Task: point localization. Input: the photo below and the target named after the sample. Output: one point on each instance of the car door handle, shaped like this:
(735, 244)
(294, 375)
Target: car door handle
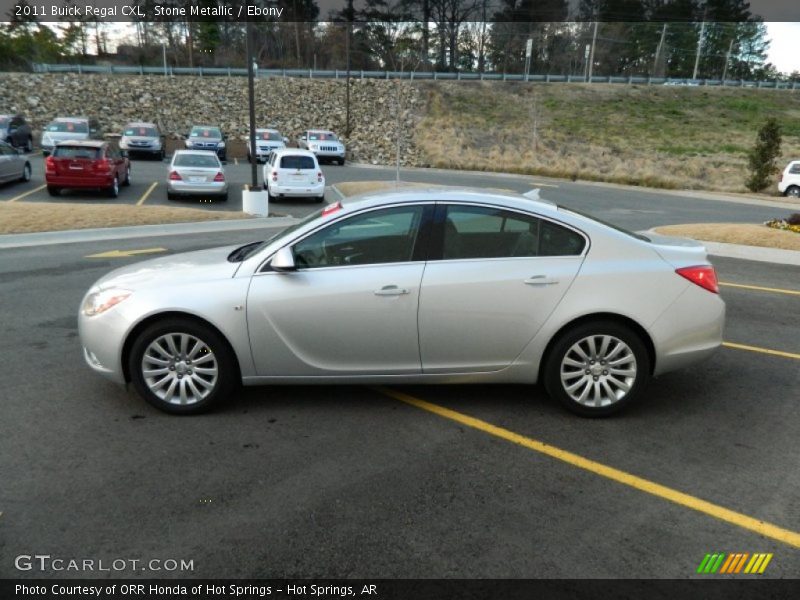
(391, 290)
(540, 280)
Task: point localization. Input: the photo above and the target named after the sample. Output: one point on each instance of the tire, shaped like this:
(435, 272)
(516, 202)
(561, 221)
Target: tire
(319, 198)
(793, 191)
(570, 362)
(113, 191)
(26, 172)
(270, 197)
(341, 162)
(165, 384)
(53, 190)
(127, 181)
(29, 146)
(224, 197)
(170, 196)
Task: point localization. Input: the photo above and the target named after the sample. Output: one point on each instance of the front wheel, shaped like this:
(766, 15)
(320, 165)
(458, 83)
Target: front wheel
(597, 368)
(793, 191)
(182, 366)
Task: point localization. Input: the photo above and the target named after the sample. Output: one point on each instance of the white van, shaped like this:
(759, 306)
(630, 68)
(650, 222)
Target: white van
(294, 173)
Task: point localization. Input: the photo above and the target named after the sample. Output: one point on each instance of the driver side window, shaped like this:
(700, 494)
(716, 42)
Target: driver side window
(375, 237)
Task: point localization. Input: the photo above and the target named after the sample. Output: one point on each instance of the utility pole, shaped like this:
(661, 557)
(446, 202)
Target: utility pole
(591, 54)
(397, 111)
(252, 103)
(528, 52)
(347, 79)
(658, 50)
(164, 52)
(700, 44)
(727, 60)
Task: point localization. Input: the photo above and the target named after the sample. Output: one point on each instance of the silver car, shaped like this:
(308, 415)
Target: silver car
(14, 166)
(412, 287)
(196, 173)
(143, 138)
(69, 129)
(324, 144)
(267, 141)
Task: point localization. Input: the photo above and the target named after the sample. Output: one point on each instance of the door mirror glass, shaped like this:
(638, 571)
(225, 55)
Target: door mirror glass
(283, 260)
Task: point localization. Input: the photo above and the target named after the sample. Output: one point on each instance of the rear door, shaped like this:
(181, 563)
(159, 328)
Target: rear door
(494, 278)
(6, 162)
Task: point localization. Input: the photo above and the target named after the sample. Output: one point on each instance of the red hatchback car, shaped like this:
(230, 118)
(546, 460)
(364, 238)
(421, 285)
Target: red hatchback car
(86, 164)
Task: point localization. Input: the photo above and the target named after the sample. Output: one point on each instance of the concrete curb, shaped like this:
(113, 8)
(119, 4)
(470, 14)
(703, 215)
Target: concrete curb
(45, 238)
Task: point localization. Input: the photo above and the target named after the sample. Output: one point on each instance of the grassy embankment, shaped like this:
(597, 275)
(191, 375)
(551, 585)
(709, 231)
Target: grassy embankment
(657, 136)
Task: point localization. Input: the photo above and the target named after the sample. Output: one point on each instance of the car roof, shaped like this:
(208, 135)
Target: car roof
(140, 124)
(206, 127)
(208, 152)
(448, 194)
(86, 143)
(69, 119)
(266, 129)
(298, 151)
(320, 131)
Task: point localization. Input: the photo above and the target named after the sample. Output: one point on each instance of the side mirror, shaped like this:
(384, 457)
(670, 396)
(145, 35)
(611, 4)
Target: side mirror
(283, 260)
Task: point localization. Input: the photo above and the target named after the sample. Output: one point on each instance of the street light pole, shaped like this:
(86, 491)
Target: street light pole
(252, 102)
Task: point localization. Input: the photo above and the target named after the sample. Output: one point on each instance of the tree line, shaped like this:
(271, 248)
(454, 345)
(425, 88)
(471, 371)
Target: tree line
(660, 38)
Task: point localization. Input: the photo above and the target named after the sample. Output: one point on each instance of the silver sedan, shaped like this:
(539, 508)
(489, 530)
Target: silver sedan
(196, 173)
(413, 287)
(14, 165)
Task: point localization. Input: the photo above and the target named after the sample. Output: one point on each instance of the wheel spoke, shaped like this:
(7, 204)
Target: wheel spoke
(571, 362)
(154, 372)
(172, 347)
(182, 386)
(154, 360)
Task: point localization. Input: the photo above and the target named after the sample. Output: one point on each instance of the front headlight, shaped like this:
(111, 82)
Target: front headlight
(101, 300)
(188, 143)
(221, 145)
(314, 147)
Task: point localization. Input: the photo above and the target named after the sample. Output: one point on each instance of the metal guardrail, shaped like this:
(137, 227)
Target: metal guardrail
(409, 75)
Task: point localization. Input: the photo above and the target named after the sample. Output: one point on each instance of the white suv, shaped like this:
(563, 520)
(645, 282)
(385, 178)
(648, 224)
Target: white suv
(789, 185)
(293, 173)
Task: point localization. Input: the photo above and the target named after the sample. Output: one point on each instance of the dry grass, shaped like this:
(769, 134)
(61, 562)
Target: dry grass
(735, 233)
(30, 217)
(688, 138)
(352, 188)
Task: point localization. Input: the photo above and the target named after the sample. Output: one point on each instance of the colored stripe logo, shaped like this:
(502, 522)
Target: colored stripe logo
(735, 563)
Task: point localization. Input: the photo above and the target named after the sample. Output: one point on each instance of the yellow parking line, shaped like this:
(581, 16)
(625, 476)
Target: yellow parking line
(760, 288)
(28, 193)
(763, 528)
(762, 350)
(146, 195)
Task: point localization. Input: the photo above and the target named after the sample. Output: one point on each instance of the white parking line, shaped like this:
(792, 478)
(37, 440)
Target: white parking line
(28, 193)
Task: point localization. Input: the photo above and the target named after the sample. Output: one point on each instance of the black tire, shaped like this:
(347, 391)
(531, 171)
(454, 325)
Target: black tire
(595, 374)
(127, 181)
(227, 377)
(170, 196)
(113, 190)
(270, 197)
(319, 198)
(793, 191)
(29, 145)
(53, 190)
(341, 162)
(26, 172)
(224, 197)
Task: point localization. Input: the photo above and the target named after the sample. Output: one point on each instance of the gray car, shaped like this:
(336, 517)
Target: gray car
(14, 166)
(196, 173)
(325, 144)
(69, 129)
(440, 286)
(143, 138)
(267, 141)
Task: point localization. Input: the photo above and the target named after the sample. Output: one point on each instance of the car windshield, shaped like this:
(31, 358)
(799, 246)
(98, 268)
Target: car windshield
(205, 132)
(208, 161)
(322, 136)
(242, 252)
(297, 162)
(638, 236)
(76, 152)
(142, 131)
(272, 136)
(68, 127)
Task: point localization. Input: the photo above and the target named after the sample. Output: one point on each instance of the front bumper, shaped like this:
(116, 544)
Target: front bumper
(102, 337)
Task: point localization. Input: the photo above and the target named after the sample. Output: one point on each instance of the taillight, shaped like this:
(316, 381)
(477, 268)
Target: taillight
(274, 176)
(50, 165)
(703, 275)
(219, 176)
(319, 177)
(103, 164)
(175, 176)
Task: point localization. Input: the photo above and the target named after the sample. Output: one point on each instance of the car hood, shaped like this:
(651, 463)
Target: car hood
(139, 138)
(201, 265)
(61, 136)
(204, 140)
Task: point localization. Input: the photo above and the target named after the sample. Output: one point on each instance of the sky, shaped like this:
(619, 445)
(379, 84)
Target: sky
(784, 51)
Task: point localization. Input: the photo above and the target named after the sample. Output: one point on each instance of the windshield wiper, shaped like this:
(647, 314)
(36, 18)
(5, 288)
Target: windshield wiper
(243, 252)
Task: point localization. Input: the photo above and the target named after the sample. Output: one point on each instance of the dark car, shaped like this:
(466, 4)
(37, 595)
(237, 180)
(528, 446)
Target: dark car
(207, 137)
(87, 164)
(15, 130)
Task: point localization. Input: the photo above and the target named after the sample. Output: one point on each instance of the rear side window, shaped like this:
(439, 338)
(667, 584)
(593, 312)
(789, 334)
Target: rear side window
(297, 162)
(795, 169)
(555, 240)
(196, 160)
(77, 152)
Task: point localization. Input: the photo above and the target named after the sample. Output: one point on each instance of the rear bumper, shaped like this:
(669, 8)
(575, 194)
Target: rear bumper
(89, 182)
(297, 191)
(197, 189)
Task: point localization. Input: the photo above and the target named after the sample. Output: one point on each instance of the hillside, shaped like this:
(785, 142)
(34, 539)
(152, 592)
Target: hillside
(661, 136)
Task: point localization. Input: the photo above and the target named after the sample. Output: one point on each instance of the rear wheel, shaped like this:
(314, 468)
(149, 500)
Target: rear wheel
(113, 191)
(127, 177)
(26, 172)
(29, 145)
(170, 196)
(319, 198)
(53, 190)
(597, 368)
(181, 366)
(793, 191)
(224, 197)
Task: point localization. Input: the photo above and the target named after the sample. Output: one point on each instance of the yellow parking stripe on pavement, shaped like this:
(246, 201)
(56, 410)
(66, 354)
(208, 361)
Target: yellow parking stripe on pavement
(762, 350)
(760, 288)
(28, 193)
(146, 195)
(758, 526)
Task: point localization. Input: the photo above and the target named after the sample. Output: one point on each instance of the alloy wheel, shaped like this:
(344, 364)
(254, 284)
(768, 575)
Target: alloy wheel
(598, 370)
(180, 368)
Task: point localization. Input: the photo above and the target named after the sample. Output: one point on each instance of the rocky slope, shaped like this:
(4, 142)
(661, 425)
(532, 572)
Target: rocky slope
(290, 105)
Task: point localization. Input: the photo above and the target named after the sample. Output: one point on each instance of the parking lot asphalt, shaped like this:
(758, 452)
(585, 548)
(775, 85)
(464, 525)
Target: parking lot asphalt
(628, 207)
(355, 482)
